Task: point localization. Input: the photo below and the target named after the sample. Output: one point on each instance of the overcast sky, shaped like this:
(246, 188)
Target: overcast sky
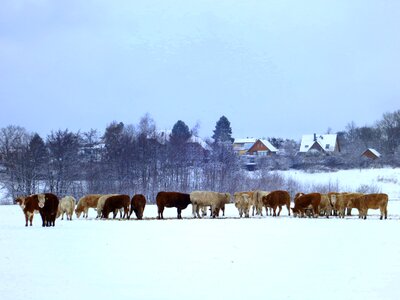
(278, 68)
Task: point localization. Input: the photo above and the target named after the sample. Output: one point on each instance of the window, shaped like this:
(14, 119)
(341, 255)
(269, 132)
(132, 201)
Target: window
(306, 146)
(327, 146)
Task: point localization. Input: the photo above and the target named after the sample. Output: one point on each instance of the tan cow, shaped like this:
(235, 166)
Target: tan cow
(257, 202)
(370, 201)
(243, 202)
(66, 206)
(85, 202)
(206, 198)
(341, 201)
(325, 206)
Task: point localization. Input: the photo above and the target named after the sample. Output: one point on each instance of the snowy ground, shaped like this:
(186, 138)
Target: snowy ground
(386, 180)
(228, 258)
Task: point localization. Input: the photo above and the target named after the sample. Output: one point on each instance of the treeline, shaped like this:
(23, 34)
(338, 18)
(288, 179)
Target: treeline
(139, 159)
(125, 159)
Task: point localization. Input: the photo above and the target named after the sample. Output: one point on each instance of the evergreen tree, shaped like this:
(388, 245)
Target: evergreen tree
(223, 131)
(180, 133)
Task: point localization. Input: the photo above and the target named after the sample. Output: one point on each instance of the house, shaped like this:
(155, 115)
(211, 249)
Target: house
(262, 148)
(324, 143)
(371, 153)
(241, 146)
(250, 149)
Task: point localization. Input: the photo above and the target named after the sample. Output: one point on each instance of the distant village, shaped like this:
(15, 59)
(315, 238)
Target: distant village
(250, 149)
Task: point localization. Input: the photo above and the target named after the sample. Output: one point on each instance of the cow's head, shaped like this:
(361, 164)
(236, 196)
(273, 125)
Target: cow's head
(139, 213)
(78, 212)
(228, 197)
(332, 199)
(295, 212)
(350, 203)
(42, 200)
(20, 201)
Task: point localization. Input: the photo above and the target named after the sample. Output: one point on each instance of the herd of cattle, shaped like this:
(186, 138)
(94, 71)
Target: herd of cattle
(312, 205)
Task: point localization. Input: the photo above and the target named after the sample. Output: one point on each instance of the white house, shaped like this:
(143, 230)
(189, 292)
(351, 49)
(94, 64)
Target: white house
(319, 142)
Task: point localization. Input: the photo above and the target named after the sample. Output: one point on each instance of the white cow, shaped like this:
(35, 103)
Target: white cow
(66, 206)
(215, 200)
(258, 203)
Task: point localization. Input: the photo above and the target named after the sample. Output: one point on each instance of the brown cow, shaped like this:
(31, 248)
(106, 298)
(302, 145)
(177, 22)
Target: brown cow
(49, 211)
(370, 201)
(275, 199)
(172, 199)
(116, 202)
(302, 202)
(85, 202)
(30, 205)
(46, 204)
(138, 204)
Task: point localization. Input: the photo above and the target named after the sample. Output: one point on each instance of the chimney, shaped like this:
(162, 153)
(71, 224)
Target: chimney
(315, 137)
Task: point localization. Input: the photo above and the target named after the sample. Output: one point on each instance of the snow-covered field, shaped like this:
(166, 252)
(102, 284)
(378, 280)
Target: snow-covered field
(385, 180)
(227, 258)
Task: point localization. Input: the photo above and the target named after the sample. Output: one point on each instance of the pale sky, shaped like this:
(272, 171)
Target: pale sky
(278, 68)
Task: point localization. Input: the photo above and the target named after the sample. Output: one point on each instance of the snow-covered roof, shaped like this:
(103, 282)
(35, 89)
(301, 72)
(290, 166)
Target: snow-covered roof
(269, 146)
(245, 141)
(373, 151)
(326, 141)
(243, 144)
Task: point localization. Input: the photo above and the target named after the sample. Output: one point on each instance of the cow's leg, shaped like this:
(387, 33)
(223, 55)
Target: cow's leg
(26, 220)
(316, 211)
(43, 219)
(288, 208)
(197, 211)
(279, 211)
(126, 213)
(179, 213)
(160, 212)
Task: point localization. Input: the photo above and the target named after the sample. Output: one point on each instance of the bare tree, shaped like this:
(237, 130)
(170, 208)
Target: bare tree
(14, 145)
(63, 167)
